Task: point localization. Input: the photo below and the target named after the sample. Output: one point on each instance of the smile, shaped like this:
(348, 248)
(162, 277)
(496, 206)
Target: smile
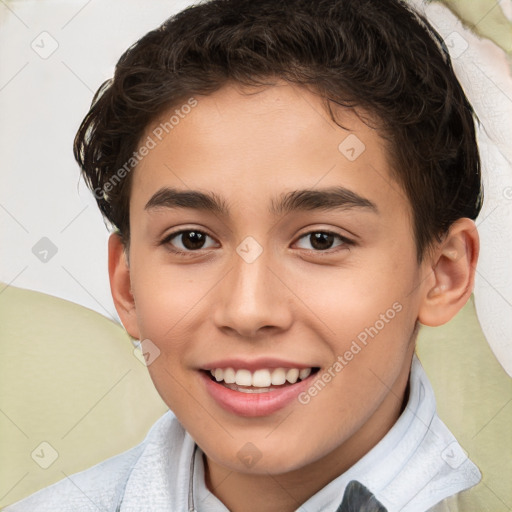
(242, 379)
(257, 393)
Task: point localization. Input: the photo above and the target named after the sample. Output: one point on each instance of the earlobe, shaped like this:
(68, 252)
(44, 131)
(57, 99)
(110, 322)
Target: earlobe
(453, 267)
(120, 285)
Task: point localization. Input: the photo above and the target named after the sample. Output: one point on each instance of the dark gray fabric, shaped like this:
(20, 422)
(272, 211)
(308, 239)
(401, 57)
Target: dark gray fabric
(358, 498)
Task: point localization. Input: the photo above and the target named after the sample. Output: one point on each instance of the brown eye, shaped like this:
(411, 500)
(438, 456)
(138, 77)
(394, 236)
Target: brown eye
(193, 239)
(187, 240)
(323, 240)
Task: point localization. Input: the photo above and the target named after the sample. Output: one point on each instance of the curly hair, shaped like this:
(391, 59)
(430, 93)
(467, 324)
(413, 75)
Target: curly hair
(380, 56)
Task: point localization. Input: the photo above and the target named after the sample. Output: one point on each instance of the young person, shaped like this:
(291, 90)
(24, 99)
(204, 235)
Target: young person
(293, 187)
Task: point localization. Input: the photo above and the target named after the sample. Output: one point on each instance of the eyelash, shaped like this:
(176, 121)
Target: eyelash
(346, 243)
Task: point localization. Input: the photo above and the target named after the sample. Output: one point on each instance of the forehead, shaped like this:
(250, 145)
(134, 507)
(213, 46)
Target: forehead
(245, 142)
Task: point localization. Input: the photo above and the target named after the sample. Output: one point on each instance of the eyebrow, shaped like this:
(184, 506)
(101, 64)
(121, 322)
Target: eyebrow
(326, 199)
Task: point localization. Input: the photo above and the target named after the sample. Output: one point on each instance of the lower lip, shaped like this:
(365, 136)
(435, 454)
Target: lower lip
(253, 404)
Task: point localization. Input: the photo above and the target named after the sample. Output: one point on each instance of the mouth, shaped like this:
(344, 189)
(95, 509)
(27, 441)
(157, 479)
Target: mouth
(263, 380)
(257, 393)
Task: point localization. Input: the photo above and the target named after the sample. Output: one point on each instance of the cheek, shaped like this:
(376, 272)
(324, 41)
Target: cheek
(166, 300)
(348, 300)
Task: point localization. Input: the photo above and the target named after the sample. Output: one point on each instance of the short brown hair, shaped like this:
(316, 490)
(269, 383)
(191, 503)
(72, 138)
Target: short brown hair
(379, 55)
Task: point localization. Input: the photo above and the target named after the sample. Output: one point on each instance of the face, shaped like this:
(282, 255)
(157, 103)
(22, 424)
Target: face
(267, 239)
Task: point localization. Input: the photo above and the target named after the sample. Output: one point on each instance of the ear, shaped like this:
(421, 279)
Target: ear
(120, 285)
(453, 267)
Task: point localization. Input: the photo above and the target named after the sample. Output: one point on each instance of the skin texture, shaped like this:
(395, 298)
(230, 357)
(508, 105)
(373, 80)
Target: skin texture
(294, 301)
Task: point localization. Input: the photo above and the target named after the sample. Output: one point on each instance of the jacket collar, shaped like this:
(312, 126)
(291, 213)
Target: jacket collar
(416, 465)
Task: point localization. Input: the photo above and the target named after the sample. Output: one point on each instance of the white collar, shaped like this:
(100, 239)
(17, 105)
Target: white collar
(416, 465)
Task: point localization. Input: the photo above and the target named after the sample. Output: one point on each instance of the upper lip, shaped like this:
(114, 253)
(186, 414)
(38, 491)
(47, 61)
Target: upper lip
(255, 364)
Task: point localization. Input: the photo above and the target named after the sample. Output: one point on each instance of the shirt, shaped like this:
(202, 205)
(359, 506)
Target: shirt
(415, 466)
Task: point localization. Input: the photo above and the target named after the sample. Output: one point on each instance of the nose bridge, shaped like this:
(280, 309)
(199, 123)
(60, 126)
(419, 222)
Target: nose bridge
(251, 297)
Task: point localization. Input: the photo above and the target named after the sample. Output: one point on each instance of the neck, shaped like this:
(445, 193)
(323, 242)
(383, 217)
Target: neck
(285, 492)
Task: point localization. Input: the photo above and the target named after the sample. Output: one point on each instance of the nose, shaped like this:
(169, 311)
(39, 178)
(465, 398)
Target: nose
(252, 299)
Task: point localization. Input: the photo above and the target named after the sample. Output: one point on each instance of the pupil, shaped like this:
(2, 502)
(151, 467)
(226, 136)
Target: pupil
(322, 240)
(192, 240)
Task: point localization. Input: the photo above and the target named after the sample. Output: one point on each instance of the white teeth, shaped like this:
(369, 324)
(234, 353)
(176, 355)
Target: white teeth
(262, 378)
(292, 375)
(234, 387)
(243, 378)
(304, 373)
(278, 376)
(229, 376)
